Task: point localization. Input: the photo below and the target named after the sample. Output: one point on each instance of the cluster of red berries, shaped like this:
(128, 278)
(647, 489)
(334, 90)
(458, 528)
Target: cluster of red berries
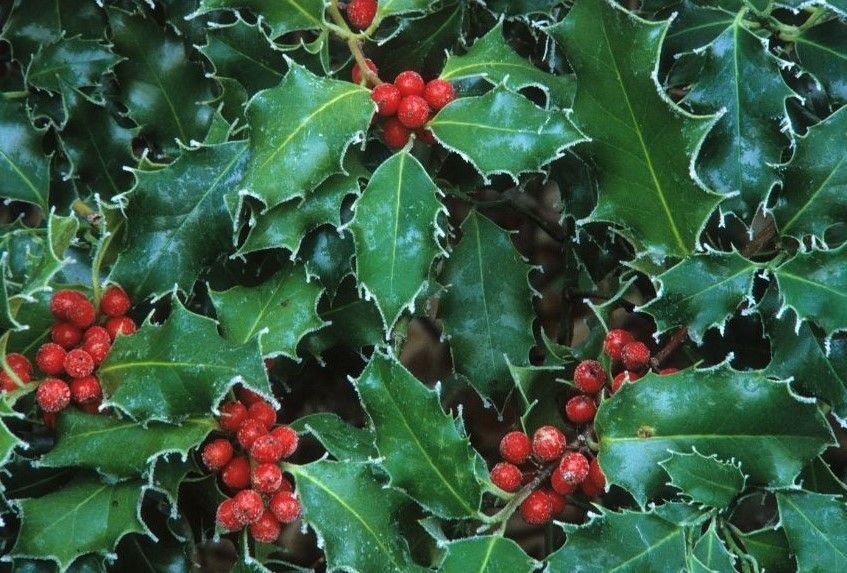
(263, 497)
(360, 13)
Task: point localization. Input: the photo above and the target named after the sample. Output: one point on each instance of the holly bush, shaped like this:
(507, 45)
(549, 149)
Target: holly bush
(422, 285)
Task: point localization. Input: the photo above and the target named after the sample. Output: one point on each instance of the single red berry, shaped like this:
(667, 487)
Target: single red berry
(78, 363)
(438, 93)
(387, 98)
(115, 302)
(410, 83)
(515, 447)
(63, 301)
(236, 474)
(285, 507)
(248, 506)
(217, 454)
(596, 475)
(580, 409)
(262, 412)
(232, 416)
(86, 390)
(287, 438)
(506, 476)
(247, 396)
(614, 342)
(285, 485)
(20, 365)
(249, 432)
(7, 383)
(425, 136)
(666, 371)
(96, 333)
(589, 376)
(537, 508)
(361, 13)
(53, 395)
(560, 486)
(65, 335)
(266, 529)
(590, 488)
(413, 111)
(266, 449)
(573, 468)
(50, 359)
(226, 516)
(82, 314)
(97, 349)
(548, 443)
(635, 356)
(356, 72)
(558, 502)
(123, 325)
(395, 134)
(266, 478)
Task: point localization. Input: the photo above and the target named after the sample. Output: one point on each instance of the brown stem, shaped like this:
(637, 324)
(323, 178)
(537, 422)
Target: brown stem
(353, 43)
(762, 238)
(675, 342)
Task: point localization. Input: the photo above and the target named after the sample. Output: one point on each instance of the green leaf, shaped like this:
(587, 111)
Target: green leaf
(522, 7)
(171, 237)
(392, 7)
(710, 553)
(8, 442)
(502, 132)
(278, 312)
(356, 518)
(354, 322)
(639, 139)
(486, 554)
(120, 448)
(701, 291)
(34, 23)
(282, 16)
(423, 452)
(74, 62)
(396, 233)
(84, 516)
(539, 389)
(813, 197)
(705, 480)
(814, 285)
(491, 58)
(328, 255)
(487, 309)
(179, 369)
(814, 525)
(341, 440)
(769, 547)
(695, 26)
(822, 51)
(167, 474)
(817, 476)
(23, 167)
(164, 91)
(300, 132)
(733, 415)
(625, 542)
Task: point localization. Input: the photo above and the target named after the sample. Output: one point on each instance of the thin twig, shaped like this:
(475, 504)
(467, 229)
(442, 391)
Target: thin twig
(675, 342)
(342, 29)
(762, 238)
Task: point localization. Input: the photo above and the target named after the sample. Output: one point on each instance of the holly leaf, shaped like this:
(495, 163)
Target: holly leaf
(822, 51)
(282, 16)
(722, 412)
(502, 132)
(120, 448)
(813, 523)
(341, 440)
(171, 237)
(38, 22)
(701, 291)
(353, 322)
(640, 539)
(710, 554)
(24, 169)
(300, 131)
(818, 477)
(704, 479)
(278, 312)
(393, 7)
(521, 7)
(396, 233)
(423, 451)
(814, 285)
(769, 547)
(812, 197)
(84, 516)
(539, 389)
(486, 554)
(356, 518)
(328, 255)
(74, 61)
(695, 26)
(491, 58)
(487, 309)
(179, 369)
(639, 139)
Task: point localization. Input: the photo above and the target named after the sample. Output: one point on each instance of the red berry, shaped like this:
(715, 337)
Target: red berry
(248, 506)
(387, 98)
(506, 476)
(548, 443)
(413, 111)
(287, 438)
(82, 314)
(263, 412)
(249, 432)
(96, 333)
(63, 301)
(395, 134)
(7, 383)
(589, 376)
(20, 365)
(247, 396)
(361, 13)
(53, 395)
(409, 83)
(285, 506)
(65, 335)
(515, 447)
(120, 325)
(625, 376)
(635, 356)
(537, 508)
(266, 478)
(560, 486)
(596, 475)
(232, 416)
(425, 136)
(226, 516)
(50, 359)
(356, 72)
(558, 502)
(590, 489)
(266, 529)
(666, 371)
(236, 474)
(97, 349)
(573, 468)
(78, 363)
(266, 449)
(115, 302)
(85, 390)
(615, 340)
(217, 454)
(439, 93)
(580, 409)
